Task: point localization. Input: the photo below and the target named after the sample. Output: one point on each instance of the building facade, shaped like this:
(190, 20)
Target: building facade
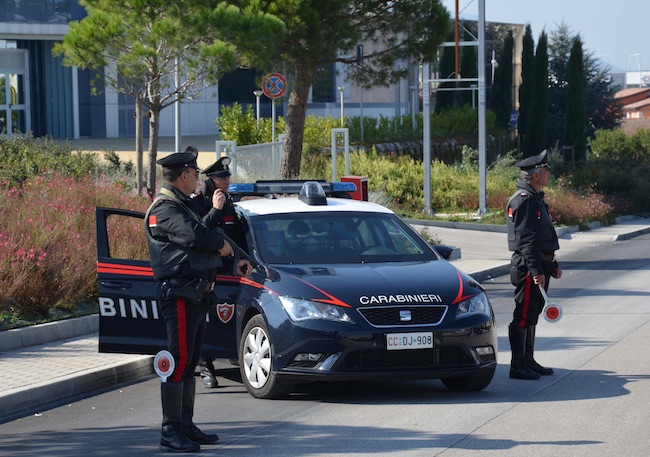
(39, 95)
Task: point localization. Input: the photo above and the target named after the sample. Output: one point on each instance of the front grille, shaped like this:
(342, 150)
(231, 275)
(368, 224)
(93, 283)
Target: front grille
(389, 316)
(409, 359)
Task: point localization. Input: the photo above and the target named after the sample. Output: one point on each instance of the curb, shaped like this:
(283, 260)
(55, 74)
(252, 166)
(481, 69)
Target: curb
(628, 236)
(489, 273)
(483, 227)
(31, 398)
(33, 335)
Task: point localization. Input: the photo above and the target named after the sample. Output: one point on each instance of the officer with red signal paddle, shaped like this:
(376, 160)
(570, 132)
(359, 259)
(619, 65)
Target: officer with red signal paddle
(533, 240)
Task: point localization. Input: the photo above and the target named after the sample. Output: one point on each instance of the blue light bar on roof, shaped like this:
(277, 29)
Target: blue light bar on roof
(344, 187)
(241, 188)
(262, 188)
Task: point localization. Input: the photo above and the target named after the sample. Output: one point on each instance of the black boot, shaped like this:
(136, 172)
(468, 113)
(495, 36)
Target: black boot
(188, 427)
(530, 349)
(518, 368)
(206, 370)
(172, 437)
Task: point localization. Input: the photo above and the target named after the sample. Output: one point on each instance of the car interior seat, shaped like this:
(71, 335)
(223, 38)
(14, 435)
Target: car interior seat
(297, 231)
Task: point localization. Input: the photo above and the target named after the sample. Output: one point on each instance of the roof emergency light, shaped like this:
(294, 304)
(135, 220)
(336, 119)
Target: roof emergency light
(312, 193)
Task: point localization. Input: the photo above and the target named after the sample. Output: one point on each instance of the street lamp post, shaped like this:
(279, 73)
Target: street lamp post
(258, 94)
(341, 89)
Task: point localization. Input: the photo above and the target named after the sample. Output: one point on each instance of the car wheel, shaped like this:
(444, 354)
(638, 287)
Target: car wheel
(469, 383)
(256, 361)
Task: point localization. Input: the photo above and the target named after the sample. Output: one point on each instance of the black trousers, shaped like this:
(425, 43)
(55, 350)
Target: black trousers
(529, 302)
(185, 323)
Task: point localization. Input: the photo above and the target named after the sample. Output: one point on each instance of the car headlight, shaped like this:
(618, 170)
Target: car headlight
(478, 304)
(300, 310)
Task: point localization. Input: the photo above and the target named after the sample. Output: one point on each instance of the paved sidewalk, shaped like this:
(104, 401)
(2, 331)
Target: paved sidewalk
(65, 362)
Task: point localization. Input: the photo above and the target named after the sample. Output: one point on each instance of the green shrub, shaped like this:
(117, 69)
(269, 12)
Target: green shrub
(238, 125)
(616, 145)
(24, 156)
(460, 121)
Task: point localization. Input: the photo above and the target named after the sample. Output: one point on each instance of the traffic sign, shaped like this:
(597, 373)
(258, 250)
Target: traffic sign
(274, 85)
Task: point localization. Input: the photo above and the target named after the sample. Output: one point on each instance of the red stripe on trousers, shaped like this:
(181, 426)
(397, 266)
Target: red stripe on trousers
(181, 321)
(525, 308)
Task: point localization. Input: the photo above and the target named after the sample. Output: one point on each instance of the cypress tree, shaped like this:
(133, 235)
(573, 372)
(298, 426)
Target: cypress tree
(501, 92)
(445, 98)
(468, 69)
(526, 89)
(537, 120)
(574, 130)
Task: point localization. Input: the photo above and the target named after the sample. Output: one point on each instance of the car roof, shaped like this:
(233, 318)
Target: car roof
(282, 205)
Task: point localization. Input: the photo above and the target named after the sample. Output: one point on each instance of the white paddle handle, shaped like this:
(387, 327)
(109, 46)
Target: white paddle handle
(541, 289)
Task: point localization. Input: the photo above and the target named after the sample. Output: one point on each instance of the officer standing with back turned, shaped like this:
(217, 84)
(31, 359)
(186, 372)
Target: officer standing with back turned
(533, 240)
(185, 256)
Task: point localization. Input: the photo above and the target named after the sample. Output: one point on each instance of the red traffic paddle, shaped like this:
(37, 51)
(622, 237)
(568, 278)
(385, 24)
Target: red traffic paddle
(163, 364)
(552, 312)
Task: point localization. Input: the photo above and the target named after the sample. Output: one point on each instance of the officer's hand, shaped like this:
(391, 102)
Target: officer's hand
(226, 250)
(244, 268)
(218, 199)
(557, 273)
(539, 279)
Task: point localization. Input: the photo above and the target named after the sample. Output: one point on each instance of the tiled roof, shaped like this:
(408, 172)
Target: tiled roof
(632, 125)
(636, 105)
(630, 92)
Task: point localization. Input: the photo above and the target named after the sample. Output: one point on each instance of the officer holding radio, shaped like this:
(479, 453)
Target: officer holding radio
(213, 198)
(186, 254)
(533, 240)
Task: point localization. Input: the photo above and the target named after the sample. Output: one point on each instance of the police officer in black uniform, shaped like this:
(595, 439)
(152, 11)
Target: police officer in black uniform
(213, 197)
(185, 256)
(533, 240)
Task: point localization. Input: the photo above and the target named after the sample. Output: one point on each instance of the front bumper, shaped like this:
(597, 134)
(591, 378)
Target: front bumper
(469, 351)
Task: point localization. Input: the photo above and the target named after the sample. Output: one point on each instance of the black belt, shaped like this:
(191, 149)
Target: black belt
(192, 289)
(545, 256)
(548, 257)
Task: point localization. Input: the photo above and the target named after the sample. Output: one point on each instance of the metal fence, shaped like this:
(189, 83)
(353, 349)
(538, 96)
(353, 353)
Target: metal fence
(252, 162)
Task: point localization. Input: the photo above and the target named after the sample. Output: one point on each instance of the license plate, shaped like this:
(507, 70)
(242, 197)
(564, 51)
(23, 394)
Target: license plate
(400, 341)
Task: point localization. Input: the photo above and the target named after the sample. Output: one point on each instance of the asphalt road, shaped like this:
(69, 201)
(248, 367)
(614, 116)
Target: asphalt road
(595, 405)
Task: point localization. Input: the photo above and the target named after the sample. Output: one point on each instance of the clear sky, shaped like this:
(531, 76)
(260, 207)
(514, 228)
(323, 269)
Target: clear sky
(614, 31)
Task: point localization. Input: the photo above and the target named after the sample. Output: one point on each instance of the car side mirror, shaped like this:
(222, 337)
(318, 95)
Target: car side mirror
(447, 252)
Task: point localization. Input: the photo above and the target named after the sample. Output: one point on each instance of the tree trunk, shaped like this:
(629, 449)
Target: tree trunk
(139, 173)
(154, 127)
(295, 123)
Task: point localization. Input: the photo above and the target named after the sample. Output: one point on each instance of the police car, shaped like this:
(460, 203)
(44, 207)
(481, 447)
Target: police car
(344, 290)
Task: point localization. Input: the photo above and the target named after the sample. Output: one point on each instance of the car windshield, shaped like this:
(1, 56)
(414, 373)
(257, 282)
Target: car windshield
(337, 238)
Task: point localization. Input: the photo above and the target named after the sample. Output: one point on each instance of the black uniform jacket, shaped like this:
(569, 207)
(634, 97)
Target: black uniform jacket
(225, 218)
(181, 243)
(530, 229)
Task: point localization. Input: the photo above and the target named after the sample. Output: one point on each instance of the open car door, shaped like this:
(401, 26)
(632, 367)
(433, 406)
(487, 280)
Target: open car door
(130, 319)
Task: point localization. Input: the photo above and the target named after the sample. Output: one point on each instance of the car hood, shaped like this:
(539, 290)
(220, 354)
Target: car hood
(393, 283)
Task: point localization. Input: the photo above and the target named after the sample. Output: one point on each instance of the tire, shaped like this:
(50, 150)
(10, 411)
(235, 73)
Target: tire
(469, 383)
(256, 361)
